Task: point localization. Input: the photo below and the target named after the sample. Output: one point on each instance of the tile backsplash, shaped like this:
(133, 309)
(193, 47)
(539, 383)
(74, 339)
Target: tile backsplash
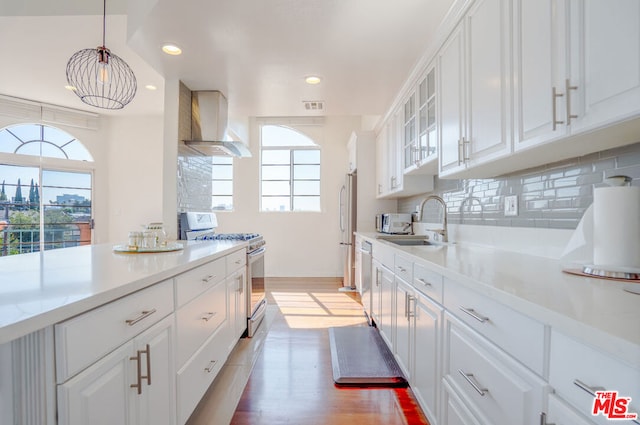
(552, 196)
(194, 171)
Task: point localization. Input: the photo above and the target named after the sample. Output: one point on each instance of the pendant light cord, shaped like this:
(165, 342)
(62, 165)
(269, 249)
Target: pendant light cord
(104, 22)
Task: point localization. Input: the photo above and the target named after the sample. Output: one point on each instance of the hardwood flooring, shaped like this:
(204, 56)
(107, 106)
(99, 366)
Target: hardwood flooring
(291, 380)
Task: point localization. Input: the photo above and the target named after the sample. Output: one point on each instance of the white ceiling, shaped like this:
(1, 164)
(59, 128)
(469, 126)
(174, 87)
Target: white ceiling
(257, 52)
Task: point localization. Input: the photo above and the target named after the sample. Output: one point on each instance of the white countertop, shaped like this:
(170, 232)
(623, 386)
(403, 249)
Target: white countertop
(596, 311)
(40, 289)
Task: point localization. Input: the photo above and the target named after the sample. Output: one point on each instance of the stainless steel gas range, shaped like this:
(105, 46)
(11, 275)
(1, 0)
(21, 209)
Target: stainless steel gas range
(202, 226)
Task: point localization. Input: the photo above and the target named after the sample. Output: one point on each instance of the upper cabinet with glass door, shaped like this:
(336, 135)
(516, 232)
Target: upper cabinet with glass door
(420, 136)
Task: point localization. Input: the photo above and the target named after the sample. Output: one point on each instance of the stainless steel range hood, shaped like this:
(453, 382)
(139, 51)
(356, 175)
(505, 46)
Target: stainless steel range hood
(209, 134)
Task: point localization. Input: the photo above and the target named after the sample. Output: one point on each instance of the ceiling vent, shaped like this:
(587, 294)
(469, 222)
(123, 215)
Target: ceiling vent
(313, 105)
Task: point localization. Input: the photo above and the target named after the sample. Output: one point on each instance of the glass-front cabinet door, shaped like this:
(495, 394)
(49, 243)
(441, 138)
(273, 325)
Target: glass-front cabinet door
(409, 135)
(427, 141)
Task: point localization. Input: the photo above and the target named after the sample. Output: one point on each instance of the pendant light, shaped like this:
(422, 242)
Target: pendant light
(100, 78)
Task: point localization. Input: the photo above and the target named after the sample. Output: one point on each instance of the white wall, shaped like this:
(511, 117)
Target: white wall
(135, 172)
(298, 244)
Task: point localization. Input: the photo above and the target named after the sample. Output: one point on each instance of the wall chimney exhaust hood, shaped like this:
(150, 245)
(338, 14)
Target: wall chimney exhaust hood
(209, 135)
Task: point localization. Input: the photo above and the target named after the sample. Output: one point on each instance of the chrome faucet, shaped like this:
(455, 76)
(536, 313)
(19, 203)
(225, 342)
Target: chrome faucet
(443, 231)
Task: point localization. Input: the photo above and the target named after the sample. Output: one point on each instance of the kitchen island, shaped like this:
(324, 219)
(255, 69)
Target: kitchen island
(507, 328)
(73, 318)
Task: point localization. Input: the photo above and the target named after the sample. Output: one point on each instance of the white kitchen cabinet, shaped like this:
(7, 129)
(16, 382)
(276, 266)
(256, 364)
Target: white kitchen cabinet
(376, 287)
(494, 386)
(409, 133)
(387, 301)
(604, 62)
(454, 412)
(404, 308)
(475, 88)
(135, 384)
(578, 67)
(391, 180)
(426, 338)
(560, 413)
(237, 305)
(426, 153)
(577, 370)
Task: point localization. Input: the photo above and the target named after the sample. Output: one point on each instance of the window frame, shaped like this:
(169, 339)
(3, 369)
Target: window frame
(291, 165)
(213, 180)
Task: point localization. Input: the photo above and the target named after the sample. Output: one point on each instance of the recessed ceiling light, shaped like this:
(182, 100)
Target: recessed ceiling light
(150, 87)
(72, 88)
(312, 79)
(171, 49)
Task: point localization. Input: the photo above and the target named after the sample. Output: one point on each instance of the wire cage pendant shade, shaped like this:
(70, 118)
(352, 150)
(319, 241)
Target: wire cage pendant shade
(101, 78)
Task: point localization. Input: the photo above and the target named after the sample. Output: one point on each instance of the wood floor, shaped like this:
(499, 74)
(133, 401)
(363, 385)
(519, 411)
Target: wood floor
(291, 381)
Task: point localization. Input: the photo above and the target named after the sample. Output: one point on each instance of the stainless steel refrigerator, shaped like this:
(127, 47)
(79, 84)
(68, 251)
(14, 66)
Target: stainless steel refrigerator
(348, 197)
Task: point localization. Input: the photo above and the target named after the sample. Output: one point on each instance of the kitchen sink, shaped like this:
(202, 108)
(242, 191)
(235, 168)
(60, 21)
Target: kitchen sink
(409, 242)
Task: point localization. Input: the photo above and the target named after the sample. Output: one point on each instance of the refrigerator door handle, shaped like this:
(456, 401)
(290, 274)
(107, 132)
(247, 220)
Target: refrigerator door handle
(341, 207)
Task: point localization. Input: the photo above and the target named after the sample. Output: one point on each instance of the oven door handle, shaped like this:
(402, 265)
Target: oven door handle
(256, 253)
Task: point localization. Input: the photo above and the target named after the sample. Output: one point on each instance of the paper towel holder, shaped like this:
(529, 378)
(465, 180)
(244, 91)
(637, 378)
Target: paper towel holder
(620, 273)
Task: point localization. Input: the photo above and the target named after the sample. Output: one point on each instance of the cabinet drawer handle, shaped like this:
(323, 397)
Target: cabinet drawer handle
(590, 390)
(210, 366)
(143, 315)
(471, 312)
(568, 88)
(238, 261)
(424, 282)
(402, 269)
(208, 316)
(472, 381)
(209, 278)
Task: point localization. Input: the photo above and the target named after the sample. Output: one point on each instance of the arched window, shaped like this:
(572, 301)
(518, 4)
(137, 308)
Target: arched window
(42, 140)
(290, 170)
(43, 207)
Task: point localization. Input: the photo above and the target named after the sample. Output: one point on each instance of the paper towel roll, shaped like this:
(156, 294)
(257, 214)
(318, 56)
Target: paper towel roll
(616, 226)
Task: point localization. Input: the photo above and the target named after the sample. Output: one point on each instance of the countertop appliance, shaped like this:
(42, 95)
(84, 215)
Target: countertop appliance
(347, 227)
(396, 223)
(202, 226)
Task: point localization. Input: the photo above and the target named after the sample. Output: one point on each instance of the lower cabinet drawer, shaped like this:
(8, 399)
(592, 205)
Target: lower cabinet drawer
(517, 334)
(499, 388)
(197, 375)
(559, 413)
(200, 318)
(84, 339)
(577, 370)
(194, 282)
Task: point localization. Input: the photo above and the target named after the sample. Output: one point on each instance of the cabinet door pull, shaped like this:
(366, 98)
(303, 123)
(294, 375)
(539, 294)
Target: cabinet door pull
(138, 383)
(472, 381)
(240, 285)
(143, 315)
(210, 366)
(471, 312)
(208, 316)
(411, 311)
(208, 279)
(147, 351)
(460, 151)
(554, 108)
(590, 390)
(543, 419)
(466, 146)
(424, 282)
(568, 88)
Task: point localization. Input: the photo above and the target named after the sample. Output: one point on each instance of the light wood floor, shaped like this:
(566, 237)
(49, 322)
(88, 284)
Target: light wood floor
(291, 379)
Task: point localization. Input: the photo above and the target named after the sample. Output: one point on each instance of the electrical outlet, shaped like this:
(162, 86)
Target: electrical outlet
(511, 205)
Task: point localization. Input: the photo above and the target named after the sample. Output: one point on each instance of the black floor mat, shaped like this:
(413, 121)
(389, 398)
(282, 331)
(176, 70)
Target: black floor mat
(360, 357)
